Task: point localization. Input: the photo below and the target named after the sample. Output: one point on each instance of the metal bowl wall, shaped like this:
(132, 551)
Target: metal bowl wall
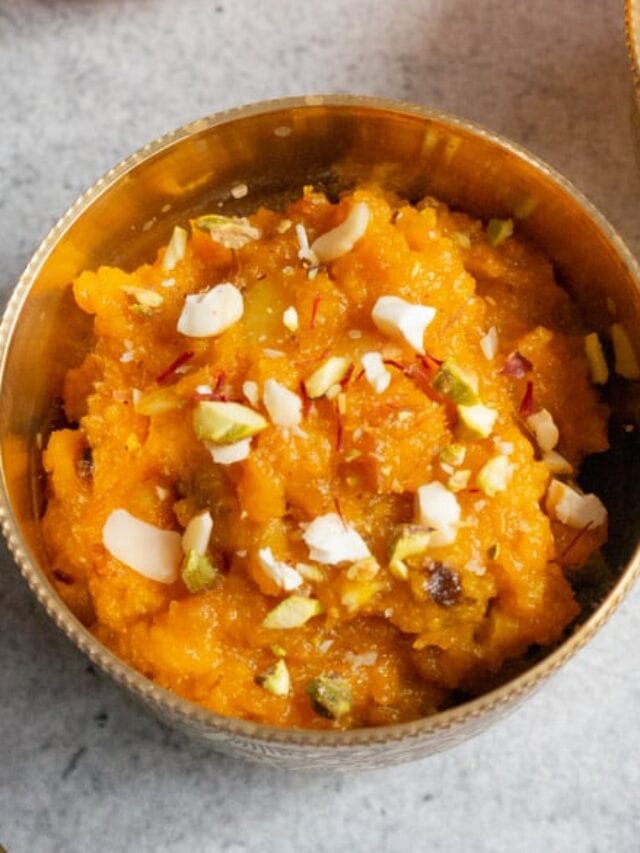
(276, 148)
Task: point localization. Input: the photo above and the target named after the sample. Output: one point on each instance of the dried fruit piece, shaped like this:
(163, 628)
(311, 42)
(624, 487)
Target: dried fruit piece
(443, 584)
(198, 573)
(330, 372)
(598, 367)
(556, 463)
(498, 230)
(626, 360)
(292, 612)
(281, 573)
(478, 420)
(228, 454)
(197, 533)
(275, 679)
(231, 232)
(207, 314)
(544, 428)
(175, 250)
(403, 320)
(284, 406)
(574, 509)
(375, 372)
(456, 384)
(411, 541)
(226, 423)
(332, 541)
(437, 508)
(151, 551)
(494, 476)
(341, 239)
(330, 696)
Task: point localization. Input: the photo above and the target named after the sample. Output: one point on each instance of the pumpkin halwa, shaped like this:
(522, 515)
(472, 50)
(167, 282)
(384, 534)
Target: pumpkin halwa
(320, 465)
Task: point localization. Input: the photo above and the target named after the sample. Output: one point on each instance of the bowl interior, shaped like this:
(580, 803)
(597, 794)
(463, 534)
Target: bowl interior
(275, 150)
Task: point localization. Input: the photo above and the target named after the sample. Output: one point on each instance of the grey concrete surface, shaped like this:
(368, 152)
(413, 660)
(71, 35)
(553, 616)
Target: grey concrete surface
(82, 83)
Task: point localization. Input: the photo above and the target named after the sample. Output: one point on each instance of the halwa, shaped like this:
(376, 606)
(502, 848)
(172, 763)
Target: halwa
(319, 467)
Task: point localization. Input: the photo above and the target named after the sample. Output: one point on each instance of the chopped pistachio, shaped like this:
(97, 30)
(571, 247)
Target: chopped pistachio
(459, 480)
(278, 650)
(494, 551)
(226, 423)
(198, 573)
(598, 367)
(453, 454)
(275, 679)
(411, 541)
(330, 372)
(498, 230)
(352, 455)
(457, 384)
(626, 360)
(330, 696)
(525, 207)
(141, 310)
(231, 232)
(478, 420)
(494, 476)
(292, 612)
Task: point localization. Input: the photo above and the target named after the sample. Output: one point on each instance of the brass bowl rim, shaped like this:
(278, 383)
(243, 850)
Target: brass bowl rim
(164, 700)
(632, 24)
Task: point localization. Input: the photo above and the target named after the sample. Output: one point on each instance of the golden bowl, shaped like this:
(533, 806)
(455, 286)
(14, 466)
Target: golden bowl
(275, 149)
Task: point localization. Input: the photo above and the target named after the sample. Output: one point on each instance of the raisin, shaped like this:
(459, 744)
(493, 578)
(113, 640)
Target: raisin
(443, 584)
(84, 465)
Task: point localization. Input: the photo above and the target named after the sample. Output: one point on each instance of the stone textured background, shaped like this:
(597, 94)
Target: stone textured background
(84, 82)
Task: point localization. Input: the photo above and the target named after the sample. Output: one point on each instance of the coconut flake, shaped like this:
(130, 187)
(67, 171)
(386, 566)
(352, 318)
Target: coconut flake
(489, 344)
(404, 320)
(375, 372)
(341, 239)
(331, 541)
(197, 533)
(207, 314)
(281, 573)
(284, 406)
(148, 550)
(227, 454)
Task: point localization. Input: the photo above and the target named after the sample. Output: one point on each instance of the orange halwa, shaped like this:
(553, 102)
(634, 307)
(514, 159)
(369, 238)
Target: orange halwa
(422, 611)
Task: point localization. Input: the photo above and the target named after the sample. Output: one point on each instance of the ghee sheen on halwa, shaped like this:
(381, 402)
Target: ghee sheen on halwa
(323, 472)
